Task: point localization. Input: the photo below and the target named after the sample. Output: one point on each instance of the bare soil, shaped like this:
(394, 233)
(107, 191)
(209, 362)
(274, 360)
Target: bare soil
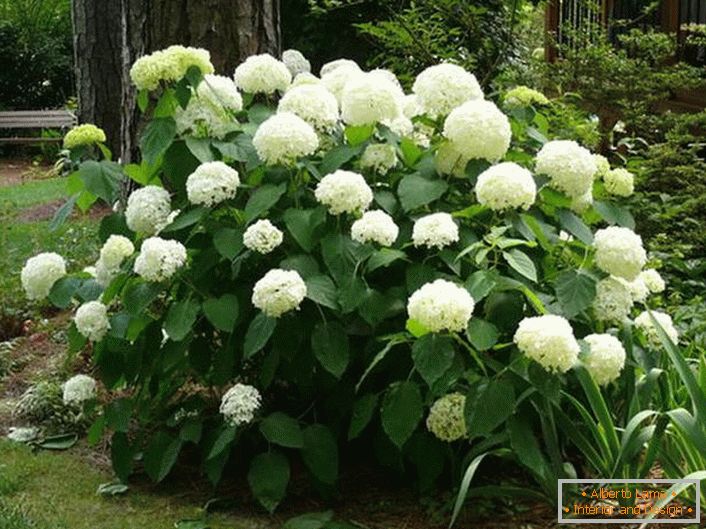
(15, 171)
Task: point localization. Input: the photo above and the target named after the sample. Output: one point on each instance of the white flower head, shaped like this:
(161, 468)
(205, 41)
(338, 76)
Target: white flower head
(619, 182)
(148, 210)
(478, 129)
(441, 306)
(619, 252)
(602, 165)
(605, 358)
(86, 134)
(548, 340)
(523, 96)
(203, 119)
(443, 87)
(614, 300)
(653, 280)
(295, 62)
(581, 203)
(447, 419)
(239, 404)
(645, 324)
(115, 250)
(344, 192)
(91, 320)
(305, 79)
(212, 183)
(159, 259)
(262, 236)
(506, 186)
(370, 98)
(569, 166)
(313, 103)
(279, 291)
(40, 273)
(411, 107)
(79, 389)
(262, 74)
(449, 160)
(375, 226)
(435, 231)
(638, 289)
(336, 79)
(336, 64)
(221, 91)
(168, 65)
(283, 138)
(379, 158)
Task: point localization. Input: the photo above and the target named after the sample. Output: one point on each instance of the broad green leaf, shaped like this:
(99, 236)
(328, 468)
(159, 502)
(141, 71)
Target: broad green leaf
(157, 138)
(224, 438)
(363, 410)
(482, 334)
(268, 478)
(414, 191)
(338, 156)
(222, 312)
(575, 226)
(492, 405)
(410, 151)
(160, 456)
(279, 428)
(521, 263)
(102, 179)
(480, 283)
(302, 224)
(58, 442)
(525, 446)
(181, 318)
(329, 342)
(118, 413)
(384, 257)
(258, 334)
(320, 453)
(186, 219)
(200, 148)
(63, 291)
(433, 355)
(358, 134)
(614, 214)
(121, 455)
(321, 289)
(401, 411)
(228, 242)
(63, 213)
(263, 199)
(138, 295)
(575, 291)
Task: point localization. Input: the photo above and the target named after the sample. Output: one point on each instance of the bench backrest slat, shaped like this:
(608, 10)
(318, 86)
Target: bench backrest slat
(36, 119)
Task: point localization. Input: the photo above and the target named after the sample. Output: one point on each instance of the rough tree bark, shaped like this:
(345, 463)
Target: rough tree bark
(111, 34)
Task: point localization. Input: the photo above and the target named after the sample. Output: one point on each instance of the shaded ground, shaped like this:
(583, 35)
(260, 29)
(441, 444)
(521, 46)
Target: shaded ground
(19, 170)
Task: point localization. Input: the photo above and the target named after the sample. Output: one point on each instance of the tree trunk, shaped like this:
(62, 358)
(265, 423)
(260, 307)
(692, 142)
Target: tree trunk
(230, 29)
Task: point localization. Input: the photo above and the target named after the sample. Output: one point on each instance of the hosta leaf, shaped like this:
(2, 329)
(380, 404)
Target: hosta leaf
(401, 411)
(329, 342)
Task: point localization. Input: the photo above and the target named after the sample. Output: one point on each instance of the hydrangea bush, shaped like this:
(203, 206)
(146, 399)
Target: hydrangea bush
(319, 264)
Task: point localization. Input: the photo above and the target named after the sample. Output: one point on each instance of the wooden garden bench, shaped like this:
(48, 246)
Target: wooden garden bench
(35, 119)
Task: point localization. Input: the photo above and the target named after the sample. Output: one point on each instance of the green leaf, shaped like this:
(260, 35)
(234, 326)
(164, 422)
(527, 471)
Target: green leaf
(338, 156)
(525, 445)
(575, 291)
(384, 257)
(258, 334)
(160, 456)
(63, 213)
(228, 242)
(415, 191)
(320, 453)
(329, 342)
(58, 442)
(268, 478)
(614, 214)
(102, 179)
(181, 318)
(138, 295)
(186, 219)
(263, 199)
(410, 151)
(363, 410)
(118, 413)
(482, 334)
(302, 223)
(222, 312)
(358, 134)
(121, 455)
(521, 263)
(223, 440)
(321, 289)
(157, 138)
(279, 428)
(575, 226)
(493, 404)
(480, 283)
(465, 484)
(200, 148)
(63, 291)
(401, 411)
(433, 355)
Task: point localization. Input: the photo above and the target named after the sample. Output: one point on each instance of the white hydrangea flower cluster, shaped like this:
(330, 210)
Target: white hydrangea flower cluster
(279, 291)
(295, 62)
(523, 96)
(645, 324)
(638, 289)
(283, 138)
(446, 419)
(262, 237)
(40, 273)
(569, 166)
(221, 91)
(305, 79)
(602, 165)
(582, 203)
(212, 183)
(619, 182)
(375, 226)
(411, 107)
(619, 252)
(605, 358)
(262, 74)
(148, 210)
(159, 259)
(443, 87)
(450, 161)
(336, 64)
(548, 340)
(435, 231)
(379, 158)
(91, 320)
(506, 186)
(79, 389)
(336, 74)
(478, 129)
(313, 103)
(115, 250)
(169, 65)
(344, 192)
(239, 404)
(86, 134)
(441, 306)
(370, 98)
(614, 300)
(653, 280)
(203, 119)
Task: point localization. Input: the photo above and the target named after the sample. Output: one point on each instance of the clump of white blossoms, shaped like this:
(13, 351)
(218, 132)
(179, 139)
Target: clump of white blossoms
(344, 192)
(203, 119)
(602, 165)
(638, 289)
(614, 300)
(449, 160)
(115, 250)
(148, 210)
(645, 324)
(295, 62)
(91, 320)
(581, 203)
(379, 158)
(619, 252)
(441, 306)
(262, 237)
(279, 291)
(283, 138)
(262, 74)
(212, 183)
(169, 64)
(220, 90)
(411, 106)
(619, 182)
(86, 134)
(435, 231)
(79, 389)
(523, 96)
(478, 129)
(605, 358)
(446, 419)
(653, 280)
(335, 75)
(305, 79)
(239, 404)
(548, 340)
(370, 98)
(443, 87)
(569, 166)
(506, 186)
(313, 103)
(375, 226)
(40, 273)
(159, 259)
(336, 64)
